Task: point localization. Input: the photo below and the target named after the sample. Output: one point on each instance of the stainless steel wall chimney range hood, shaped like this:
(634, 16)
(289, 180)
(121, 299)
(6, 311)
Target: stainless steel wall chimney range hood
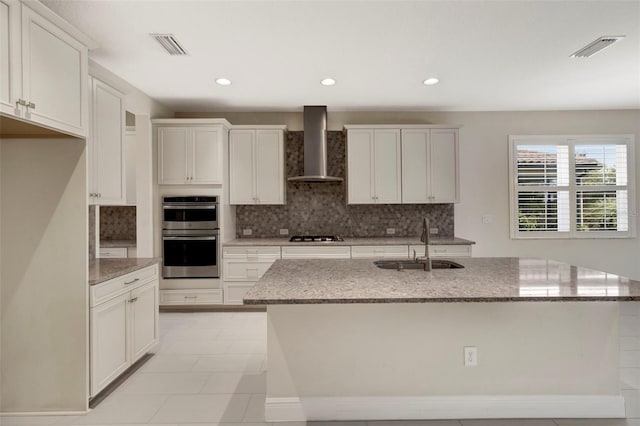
(315, 147)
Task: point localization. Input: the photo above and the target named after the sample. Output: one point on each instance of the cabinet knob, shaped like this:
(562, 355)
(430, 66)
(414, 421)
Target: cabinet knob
(133, 300)
(31, 105)
(21, 102)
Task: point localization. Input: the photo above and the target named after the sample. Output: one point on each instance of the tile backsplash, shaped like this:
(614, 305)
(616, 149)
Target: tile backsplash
(117, 223)
(320, 208)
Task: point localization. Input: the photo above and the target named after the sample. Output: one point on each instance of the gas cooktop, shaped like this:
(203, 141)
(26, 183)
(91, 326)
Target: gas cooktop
(315, 238)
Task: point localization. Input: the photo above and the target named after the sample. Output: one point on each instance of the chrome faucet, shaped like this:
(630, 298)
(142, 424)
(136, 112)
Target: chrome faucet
(425, 239)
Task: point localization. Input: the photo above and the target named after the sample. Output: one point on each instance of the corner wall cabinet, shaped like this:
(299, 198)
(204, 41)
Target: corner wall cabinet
(409, 164)
(256, 165)
(373, 166)
(107, 180)
(190, 152)
(123, 324)
(44, 68)
(430, 166)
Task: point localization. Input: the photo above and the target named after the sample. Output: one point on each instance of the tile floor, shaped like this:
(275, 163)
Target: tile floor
(210, 369)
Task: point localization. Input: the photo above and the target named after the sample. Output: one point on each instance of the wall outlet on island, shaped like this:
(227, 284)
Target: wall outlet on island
(284, 231)
(433, 231)
(470, 356)
(391, 231)
(247, 231)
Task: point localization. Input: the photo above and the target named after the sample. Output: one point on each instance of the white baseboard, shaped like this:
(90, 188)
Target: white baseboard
(443, 407)
(43, 413)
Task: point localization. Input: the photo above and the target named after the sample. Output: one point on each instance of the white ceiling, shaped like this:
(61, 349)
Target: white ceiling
(489, 56)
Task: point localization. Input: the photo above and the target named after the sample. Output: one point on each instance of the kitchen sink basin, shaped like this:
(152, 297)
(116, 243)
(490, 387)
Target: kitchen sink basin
(410, 264)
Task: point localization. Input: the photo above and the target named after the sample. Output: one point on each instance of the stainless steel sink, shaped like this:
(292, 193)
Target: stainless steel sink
(410, 264)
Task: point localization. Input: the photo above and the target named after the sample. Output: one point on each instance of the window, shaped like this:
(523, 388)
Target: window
(572, 186)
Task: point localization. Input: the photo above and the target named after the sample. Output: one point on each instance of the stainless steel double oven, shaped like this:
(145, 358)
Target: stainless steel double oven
(190, 237)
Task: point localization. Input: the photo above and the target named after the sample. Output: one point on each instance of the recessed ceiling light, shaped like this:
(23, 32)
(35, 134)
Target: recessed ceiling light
(223, 81)
(328, 82)
(431, 81)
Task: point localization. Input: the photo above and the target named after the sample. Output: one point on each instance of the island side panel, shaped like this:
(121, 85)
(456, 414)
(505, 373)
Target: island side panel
(529, 349)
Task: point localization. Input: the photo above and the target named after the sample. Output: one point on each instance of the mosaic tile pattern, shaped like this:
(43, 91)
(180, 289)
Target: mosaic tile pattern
(92, 232)
(320, 208)
(117, 223)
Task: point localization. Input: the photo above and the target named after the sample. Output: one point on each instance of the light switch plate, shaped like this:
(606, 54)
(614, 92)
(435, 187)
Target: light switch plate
(284, 231)
(433, 231)
(247, 231)
(391, 231)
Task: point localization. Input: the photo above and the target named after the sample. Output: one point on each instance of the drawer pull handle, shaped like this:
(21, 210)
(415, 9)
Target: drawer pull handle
(131, 282)
(133, 300)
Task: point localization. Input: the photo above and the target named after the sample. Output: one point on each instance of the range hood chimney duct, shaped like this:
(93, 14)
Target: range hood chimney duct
(315, 147)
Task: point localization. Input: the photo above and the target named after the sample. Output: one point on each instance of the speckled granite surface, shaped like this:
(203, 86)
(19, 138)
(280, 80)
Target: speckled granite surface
(101, 270)
(346, 242)
(482, 280)
(117, 243)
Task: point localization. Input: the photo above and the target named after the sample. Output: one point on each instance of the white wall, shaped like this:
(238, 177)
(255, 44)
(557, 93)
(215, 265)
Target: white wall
(43, 283)
(484, 174)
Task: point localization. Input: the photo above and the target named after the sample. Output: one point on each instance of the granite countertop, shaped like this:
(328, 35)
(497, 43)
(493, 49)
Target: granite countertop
(101, 270)
(505, 279)
(348, 241)
(117, 243)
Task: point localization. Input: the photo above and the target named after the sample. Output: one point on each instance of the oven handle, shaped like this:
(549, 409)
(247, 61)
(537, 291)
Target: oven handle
(189, 238)
(189, 207)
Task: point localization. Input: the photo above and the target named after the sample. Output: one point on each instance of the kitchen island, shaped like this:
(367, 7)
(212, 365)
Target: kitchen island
(348, 341)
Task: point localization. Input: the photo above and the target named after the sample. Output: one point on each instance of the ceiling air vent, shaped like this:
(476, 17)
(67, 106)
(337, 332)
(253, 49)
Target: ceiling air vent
(170, 44)
(596, 46)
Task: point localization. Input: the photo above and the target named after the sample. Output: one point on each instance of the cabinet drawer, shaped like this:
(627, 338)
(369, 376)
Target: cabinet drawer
(234, 292)
(191, 297)
(362, 252)
(443, 250)
(252, 254)
(113, 252)
(108, 289)
(233, 270)
(316, 252)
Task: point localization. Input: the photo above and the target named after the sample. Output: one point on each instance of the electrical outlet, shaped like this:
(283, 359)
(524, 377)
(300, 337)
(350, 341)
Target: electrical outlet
(487, 219)
(247, 231)
(284, 231)
(391, 231)
(433, 231)
(470, 356)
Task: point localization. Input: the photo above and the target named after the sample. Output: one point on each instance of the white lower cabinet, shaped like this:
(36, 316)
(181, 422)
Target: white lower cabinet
(242, 267)
(124, 324)
(442, 250)
(191, 297)
(316, 252)
(366, 252)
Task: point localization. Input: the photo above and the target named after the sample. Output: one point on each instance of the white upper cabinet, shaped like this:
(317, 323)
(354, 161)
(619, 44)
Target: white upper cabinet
(107, 175)
(190, 154)
(256, 165)
(44, 69)
(429, 165)
(373, 166)
(9, 56)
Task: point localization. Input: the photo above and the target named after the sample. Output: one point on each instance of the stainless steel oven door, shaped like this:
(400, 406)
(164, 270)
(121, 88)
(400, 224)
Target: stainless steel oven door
(190, 216)
(190, 254)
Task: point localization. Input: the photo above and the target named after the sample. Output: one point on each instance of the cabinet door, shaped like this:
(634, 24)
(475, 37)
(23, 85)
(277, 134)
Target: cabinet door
(242, 167)
(415, 158)
(387, 166)
(144, 319)
(269, 149)
(107, 137)
(54, 71)
(444, 165)
(360, 167)
(172, 155)
(206, 156)
(109, 355)
(9, 56)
